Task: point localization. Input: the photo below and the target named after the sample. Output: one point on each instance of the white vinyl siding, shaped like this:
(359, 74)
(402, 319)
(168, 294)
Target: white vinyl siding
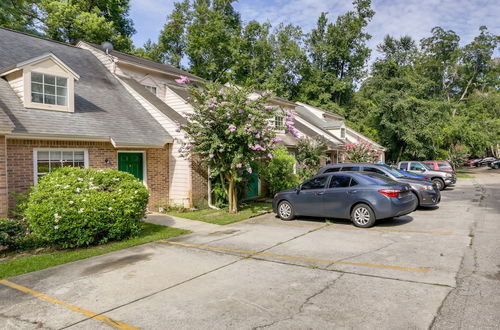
(48, 160)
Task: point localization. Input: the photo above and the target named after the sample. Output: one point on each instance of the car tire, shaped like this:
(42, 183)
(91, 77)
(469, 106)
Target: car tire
(363, 216)
(285, 211)
(495, 166)
(439, 183)
(418, 200)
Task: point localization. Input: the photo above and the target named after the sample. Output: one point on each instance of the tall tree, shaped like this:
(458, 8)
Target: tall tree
(338, 55)
(19, 15)
(211, 38)
(172, 40)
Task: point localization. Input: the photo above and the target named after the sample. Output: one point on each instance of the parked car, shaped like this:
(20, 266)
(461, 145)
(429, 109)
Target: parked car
(486, 161)
(439, 165)
(440, 178)
(495, 164)
(426, 192)
(361, 197)
(413, 175)
(473, 162)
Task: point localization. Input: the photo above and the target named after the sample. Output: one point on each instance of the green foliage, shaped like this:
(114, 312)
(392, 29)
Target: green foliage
(172, 40)
(74, 207)
(278, 171)
(229, 131)
(12, 233)
(310, 152)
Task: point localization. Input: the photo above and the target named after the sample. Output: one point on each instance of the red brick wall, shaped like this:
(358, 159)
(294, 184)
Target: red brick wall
(4, 205)
(21, 173)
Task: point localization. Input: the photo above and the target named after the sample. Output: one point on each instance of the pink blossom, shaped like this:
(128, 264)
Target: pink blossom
(211, 156)
(257, 136)
(232, 128)
(249, 170)
(239, 165)
(240, 111)
(270, 156)
(268, 108)
(277, 139)
(258, 147)
(182, 80)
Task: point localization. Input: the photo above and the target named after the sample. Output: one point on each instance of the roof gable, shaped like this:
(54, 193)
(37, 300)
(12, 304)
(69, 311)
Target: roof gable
(38, 60)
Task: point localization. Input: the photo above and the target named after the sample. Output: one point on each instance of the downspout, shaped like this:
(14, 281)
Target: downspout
(209, 198)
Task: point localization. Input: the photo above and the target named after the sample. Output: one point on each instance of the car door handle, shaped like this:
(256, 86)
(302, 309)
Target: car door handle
(320, 193)
(352, 191)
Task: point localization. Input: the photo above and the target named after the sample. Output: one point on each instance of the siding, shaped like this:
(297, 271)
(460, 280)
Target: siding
(16, 82)
(176, 102)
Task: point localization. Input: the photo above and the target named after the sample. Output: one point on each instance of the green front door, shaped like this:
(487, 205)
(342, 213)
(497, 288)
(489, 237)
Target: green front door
(131, 162)
(253, 185)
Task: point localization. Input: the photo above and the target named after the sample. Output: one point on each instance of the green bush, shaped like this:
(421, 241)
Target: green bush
(12, 233)
(278, 171)
(74, 207)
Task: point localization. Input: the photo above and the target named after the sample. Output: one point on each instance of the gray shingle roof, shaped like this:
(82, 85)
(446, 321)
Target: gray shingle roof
(103, 107)
(318, 122)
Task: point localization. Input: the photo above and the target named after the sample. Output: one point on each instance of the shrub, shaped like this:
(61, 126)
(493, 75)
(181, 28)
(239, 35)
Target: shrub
(278, 172)
(310, 152)
(12, 232)
(74, 207)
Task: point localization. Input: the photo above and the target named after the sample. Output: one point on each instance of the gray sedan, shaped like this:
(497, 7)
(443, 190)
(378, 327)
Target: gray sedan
(361, 197)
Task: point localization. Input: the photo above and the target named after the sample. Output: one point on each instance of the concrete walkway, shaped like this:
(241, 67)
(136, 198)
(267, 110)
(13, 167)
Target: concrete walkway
(193, 225)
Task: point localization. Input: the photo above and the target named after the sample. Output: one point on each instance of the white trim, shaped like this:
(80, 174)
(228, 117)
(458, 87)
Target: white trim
(144, 163)
(35, 158)
(45, 56)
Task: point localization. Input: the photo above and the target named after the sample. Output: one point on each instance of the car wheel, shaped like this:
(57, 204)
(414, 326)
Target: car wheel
(495, 166)
(418, 200)
(285, 211)
(439, 183)
(362, 216)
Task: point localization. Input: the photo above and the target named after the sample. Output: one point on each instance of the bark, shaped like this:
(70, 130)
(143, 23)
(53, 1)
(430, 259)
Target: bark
(232, 197)
(399, 155)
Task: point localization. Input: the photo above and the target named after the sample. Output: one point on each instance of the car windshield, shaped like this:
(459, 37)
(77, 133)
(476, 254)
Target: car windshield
(393, 171)
(427, 166)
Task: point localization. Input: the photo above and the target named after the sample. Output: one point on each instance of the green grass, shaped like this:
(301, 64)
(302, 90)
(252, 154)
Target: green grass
(50, 258)
(464, 175)
(222, 217)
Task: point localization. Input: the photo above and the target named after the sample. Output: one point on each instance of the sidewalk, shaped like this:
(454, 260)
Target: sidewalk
(193, 225)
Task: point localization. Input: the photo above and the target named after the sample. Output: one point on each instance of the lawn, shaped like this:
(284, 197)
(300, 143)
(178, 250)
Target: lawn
(462, 175)
(222, 217)
(49, 258)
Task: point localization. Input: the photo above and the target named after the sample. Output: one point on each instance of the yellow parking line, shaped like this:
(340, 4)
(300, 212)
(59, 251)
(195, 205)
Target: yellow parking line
(267, 254)
(99, 317)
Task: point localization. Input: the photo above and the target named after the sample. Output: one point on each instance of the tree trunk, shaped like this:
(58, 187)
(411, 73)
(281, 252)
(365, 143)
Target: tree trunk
(399, 155)
(232, 196)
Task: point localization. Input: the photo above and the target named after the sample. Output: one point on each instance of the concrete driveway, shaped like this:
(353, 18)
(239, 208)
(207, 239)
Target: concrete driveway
(266, 273)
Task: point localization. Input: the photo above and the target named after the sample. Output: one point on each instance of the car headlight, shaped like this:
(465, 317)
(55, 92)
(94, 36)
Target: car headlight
(448, 175)
(428, 187)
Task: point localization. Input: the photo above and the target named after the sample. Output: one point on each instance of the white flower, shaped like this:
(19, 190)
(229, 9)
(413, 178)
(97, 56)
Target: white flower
(110, 208)
(135, 192)
(83, 200)
(56, 227)
(77, 190)
(81, 210)
(80, 179)
(119, 190)
(66, 187)
(71, 202)
(117, 179)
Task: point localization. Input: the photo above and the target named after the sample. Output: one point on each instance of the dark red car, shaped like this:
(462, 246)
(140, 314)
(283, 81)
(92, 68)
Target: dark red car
(439, 165)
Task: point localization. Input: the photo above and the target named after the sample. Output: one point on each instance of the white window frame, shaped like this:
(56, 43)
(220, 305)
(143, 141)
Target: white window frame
(55, 85)
(281, 127)
(343, 132)
(150, 89)
(144, 163)
(35, 158)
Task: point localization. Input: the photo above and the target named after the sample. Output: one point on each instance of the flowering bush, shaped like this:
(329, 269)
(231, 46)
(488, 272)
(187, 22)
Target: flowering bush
(360, 152)
(229, 130)
(278, 171)
(74, 207)
(310, 152)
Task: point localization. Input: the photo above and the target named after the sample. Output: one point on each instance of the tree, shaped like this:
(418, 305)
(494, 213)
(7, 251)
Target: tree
(19, 15)
(211, 38)
(310, 152)
(150, 51)
(360, 152)
(278, 171)
(338, 55)
(172, 40)
(229, 131)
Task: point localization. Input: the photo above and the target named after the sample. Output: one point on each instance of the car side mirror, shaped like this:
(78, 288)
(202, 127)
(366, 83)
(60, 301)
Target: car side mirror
(297, 189)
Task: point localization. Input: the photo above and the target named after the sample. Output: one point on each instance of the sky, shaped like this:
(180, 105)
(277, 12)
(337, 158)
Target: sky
(394, 17)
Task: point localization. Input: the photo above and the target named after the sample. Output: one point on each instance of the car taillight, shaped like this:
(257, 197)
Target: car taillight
(425, 178)
(390, 192)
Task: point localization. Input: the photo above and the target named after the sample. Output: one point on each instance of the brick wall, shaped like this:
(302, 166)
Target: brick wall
(21, 173)
(4, 206)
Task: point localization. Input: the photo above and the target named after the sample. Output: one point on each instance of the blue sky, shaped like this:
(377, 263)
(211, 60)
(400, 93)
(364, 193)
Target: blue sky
(395, 17)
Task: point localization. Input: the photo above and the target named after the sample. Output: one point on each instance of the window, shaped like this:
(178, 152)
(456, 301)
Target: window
(333, 169)
(374, 170)
(350, 168)
(417, 167)
(316, 183)
(49, 89)
(152, 89)
(342, 133)
(340, 181)
(279, 122)
(48, 160)
(403, 166)
(353, 183)
(443, 166)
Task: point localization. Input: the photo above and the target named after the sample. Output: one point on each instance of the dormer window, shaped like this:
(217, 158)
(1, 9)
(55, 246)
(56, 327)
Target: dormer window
(152, 89)
(49, 89)
(279, 122)
(342, 132)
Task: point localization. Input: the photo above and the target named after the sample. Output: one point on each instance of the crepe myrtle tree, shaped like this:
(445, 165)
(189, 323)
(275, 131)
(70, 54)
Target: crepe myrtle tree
(361, 152)
(229, 130)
